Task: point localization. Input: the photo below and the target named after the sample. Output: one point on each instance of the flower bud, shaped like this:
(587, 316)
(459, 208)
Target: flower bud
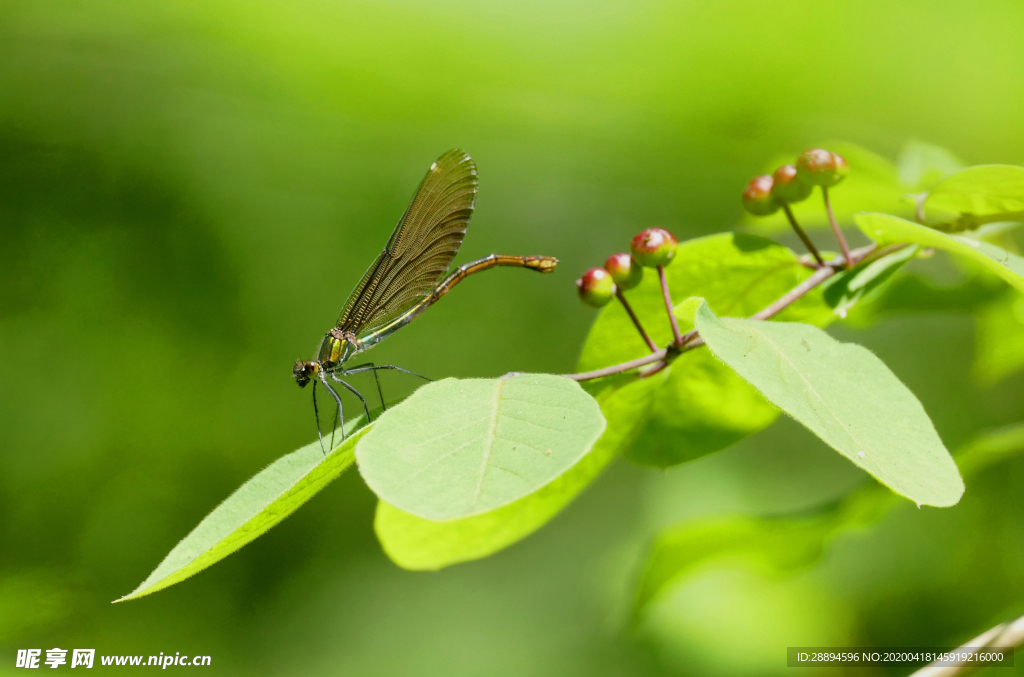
(596, 287)
(758, 198)
(653, 247)
(819, 167)
(626, 272)
(787, 185)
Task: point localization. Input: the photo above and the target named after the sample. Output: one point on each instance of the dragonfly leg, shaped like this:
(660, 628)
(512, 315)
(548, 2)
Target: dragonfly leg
(355, 392)
(316, 414)
(337, 398)
(370, 367)
(376, 378)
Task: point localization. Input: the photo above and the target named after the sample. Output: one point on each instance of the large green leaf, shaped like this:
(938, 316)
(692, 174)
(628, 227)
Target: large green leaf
(885, 230)
(702, 406)
(784, 543)
(415, 543)
(845, 395)
(463, 447)
(873, 184)
(255, 507)
(976, 196)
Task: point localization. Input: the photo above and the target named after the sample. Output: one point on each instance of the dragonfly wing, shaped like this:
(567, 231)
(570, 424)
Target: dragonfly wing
(421, 248)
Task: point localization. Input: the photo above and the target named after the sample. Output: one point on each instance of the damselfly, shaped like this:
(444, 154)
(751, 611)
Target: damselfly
(405, 279)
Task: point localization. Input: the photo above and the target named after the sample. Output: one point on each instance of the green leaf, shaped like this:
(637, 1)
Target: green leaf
(999, 342)
(886, 230)
(843, 394)
(463, 447)
(699, 406)
(976, 196)
(786, 543)
(865, 282)
(255, 507)
(702, 406)
(922, 165)
(873, 184)
(415, 543)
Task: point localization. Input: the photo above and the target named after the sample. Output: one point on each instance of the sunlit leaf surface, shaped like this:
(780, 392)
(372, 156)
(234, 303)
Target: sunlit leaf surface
(416, 543)
(463, 447)
(885, 230)
(843, 394)
(977, 195)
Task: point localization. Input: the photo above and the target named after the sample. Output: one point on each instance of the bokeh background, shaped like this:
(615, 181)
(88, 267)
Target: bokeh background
(188, 190)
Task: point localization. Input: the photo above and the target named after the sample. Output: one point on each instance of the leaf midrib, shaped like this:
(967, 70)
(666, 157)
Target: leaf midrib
(490, 442)
(838, 419)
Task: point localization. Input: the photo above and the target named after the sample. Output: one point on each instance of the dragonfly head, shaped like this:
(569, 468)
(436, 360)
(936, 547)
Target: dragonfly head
(304, 372)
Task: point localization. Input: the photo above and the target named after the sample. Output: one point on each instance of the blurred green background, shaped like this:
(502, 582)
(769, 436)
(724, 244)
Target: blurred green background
(188, 190)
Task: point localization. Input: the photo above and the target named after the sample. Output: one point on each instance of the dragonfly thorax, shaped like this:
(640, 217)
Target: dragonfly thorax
(335, 348)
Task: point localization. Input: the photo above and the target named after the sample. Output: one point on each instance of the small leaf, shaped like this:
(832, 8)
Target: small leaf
(843, 394)
(922, 165)
(976, 196)
(785, 543)
(873, 184)
(463, 447)
(415, 543)
(255, 507)
(885, 230)
(865, 282)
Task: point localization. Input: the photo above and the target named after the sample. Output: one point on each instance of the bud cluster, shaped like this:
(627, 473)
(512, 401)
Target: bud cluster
(650, 248)
(765, 194)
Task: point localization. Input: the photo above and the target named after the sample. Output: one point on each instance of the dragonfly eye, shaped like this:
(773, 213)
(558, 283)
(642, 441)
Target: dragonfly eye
(304, 372)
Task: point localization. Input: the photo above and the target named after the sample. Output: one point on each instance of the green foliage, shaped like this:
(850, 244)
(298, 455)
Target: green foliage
(886, 230)
(865, 282)
(457, 448)
(843, 394)
(464, 468)
(700, 406)
(922, 165)
(416, 543)
(273, 494)
(788, 542)
(999, 342)
(976, 196)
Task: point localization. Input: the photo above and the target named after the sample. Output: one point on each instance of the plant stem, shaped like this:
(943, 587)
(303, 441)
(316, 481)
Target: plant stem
(835, 226)
(802, 234)
(636, 321)
(691, 340)
(668, 306)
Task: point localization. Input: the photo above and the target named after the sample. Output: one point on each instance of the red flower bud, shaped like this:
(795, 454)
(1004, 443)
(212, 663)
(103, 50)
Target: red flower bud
(758, 198)
(787, 185)
(653, 247)
(626, 272)
(596, 287)
(819, 167)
